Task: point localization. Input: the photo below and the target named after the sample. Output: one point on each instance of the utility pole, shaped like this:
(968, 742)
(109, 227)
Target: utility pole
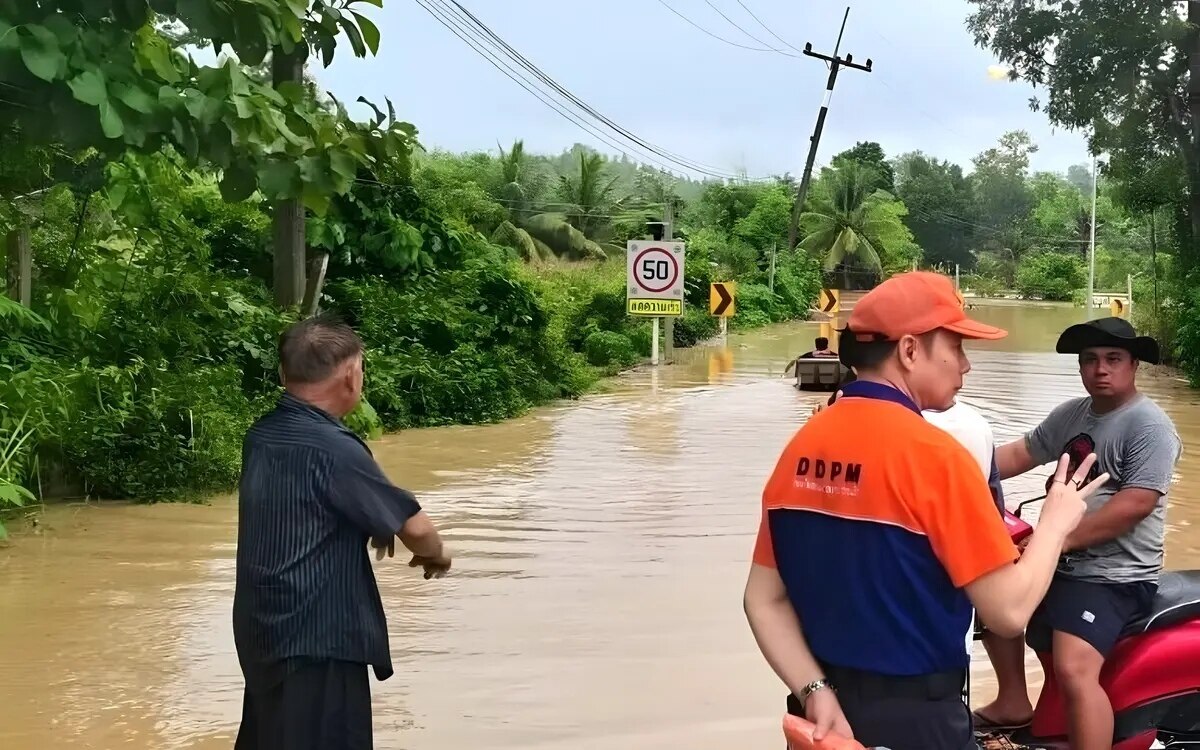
(771, 282)
(1091, 290)
(835, 64)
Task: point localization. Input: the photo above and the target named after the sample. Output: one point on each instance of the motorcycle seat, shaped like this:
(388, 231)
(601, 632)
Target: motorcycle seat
(1177, 600)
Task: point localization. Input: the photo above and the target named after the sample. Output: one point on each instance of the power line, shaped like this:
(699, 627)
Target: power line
(456, 27)
(459, 24)
(587, 108)
(714, 36)
(768, 28)
(747, 33)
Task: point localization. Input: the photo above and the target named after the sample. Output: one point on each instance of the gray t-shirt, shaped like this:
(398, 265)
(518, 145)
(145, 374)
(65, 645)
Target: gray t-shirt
(1138, 446)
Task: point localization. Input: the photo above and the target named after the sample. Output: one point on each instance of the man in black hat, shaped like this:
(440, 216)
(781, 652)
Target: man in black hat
(1108, 574)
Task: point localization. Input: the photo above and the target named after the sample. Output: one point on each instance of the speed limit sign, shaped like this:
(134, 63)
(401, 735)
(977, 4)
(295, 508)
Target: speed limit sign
(654, 284)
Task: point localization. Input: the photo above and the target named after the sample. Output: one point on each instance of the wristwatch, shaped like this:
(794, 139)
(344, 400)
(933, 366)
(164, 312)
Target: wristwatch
(813, 687)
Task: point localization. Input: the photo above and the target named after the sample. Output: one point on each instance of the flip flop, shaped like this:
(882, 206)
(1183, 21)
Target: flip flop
(984, 724)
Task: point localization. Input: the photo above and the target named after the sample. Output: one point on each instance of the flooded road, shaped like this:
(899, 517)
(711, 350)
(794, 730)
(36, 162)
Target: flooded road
(601, 548)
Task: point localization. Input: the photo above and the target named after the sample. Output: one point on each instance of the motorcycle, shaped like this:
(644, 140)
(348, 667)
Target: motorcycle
(1152, 676)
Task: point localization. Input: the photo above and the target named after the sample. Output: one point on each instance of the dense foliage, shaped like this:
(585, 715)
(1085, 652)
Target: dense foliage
(482, 283)
(146, 182)
(1141, 108)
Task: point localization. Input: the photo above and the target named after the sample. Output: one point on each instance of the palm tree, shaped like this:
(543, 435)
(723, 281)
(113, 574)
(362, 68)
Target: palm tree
(573, 230)
(850, 223)
(589, 194)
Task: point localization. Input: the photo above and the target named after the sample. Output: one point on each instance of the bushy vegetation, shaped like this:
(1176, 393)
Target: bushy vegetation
(482, 284)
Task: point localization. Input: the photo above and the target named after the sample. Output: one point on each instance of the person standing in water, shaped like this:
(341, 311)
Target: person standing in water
(307, 615)
(871, 554)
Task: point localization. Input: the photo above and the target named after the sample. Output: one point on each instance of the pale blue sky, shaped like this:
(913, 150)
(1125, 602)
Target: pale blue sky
(672, 85)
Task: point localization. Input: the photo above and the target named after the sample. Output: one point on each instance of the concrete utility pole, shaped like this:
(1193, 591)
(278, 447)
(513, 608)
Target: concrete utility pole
(1091, 289)
(835, 64)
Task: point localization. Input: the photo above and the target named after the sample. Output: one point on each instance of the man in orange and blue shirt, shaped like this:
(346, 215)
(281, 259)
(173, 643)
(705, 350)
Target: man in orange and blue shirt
(879, 536)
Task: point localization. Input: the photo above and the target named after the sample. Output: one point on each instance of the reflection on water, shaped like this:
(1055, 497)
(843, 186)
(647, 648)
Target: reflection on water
(601, 550)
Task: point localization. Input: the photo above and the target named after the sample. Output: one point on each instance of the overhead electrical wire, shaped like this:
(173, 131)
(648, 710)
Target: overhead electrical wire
(714, 36)
(738, 26)
(488, 44)
(458, 30)
(525, 63)
(529, 66)
(768, 28)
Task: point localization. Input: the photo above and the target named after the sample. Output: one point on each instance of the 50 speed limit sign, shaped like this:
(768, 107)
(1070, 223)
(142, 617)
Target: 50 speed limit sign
(654, 278)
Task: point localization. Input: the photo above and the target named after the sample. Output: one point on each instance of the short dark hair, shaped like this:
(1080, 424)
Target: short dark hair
(311, 350)
(822, 342)
(867, 355)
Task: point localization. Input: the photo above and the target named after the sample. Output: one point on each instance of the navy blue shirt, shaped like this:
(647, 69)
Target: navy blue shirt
(311, 496)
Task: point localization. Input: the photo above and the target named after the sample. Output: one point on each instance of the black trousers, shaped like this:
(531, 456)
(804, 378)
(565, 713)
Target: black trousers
(909, 713)
(307, 705)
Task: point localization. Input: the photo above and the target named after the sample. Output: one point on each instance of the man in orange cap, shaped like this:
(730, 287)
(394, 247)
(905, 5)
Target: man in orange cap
(872, 553)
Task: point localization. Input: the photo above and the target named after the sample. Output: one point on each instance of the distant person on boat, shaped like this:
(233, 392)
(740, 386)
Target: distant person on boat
(872, 553)
(1109, 572)
(821, 350)
(307, 615)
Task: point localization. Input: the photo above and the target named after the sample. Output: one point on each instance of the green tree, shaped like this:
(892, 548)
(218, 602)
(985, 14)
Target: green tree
(940, 207)
(851, 226)
(1140, 105)
(1003, 200)
(1050, 275)
(870, 154)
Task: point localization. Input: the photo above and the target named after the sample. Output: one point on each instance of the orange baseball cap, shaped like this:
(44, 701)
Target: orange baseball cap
(913, 303)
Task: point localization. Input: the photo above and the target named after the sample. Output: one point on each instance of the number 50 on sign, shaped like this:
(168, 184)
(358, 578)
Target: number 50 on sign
(654, 278)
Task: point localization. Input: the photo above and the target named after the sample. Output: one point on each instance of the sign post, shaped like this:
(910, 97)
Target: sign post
(654, 283)
(721, 303)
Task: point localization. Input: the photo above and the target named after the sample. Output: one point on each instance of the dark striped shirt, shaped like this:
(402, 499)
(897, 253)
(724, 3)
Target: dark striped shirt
(311, 496)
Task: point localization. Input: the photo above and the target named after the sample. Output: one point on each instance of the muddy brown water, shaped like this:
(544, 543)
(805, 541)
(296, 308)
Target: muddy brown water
(601, 548)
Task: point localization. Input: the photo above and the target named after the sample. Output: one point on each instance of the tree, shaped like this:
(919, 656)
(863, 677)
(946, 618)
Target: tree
(851, 225)
(1140, 105)
(106, 76)
(1000, 186)
(870, 154)
(940, 207)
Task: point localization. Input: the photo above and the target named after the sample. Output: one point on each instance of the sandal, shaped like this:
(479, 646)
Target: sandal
(984, 724)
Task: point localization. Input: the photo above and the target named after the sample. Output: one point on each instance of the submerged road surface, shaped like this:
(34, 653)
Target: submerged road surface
(601, 548)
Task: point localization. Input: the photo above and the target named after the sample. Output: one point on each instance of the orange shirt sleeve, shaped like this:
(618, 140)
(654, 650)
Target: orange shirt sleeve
(764, 548)
(960, 519)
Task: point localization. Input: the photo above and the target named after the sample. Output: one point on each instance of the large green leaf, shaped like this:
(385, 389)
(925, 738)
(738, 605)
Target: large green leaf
(280, 178)
(9, 39)
(110, 120)
(370, 32)
(89, 88)
(354, 35)
(135, 98)
(41, 54)
(238, 183)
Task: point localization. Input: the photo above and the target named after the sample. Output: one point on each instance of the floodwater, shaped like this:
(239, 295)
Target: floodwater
(601, 548)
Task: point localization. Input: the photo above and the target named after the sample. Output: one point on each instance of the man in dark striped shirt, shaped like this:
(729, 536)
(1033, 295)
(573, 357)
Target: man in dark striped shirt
(307, 615)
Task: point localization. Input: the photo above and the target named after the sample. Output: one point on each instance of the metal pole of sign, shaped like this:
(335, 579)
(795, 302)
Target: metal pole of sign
(654, 341)
(724, 329)
(1129, 293)
(957, 284)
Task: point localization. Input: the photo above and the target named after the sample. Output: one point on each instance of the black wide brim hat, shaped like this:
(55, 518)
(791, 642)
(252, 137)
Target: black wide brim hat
(1114, 332)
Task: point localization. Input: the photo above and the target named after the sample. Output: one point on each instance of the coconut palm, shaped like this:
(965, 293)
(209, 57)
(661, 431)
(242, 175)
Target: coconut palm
(849, 222)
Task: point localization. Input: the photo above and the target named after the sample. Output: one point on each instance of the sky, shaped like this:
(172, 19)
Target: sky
(673, 85)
